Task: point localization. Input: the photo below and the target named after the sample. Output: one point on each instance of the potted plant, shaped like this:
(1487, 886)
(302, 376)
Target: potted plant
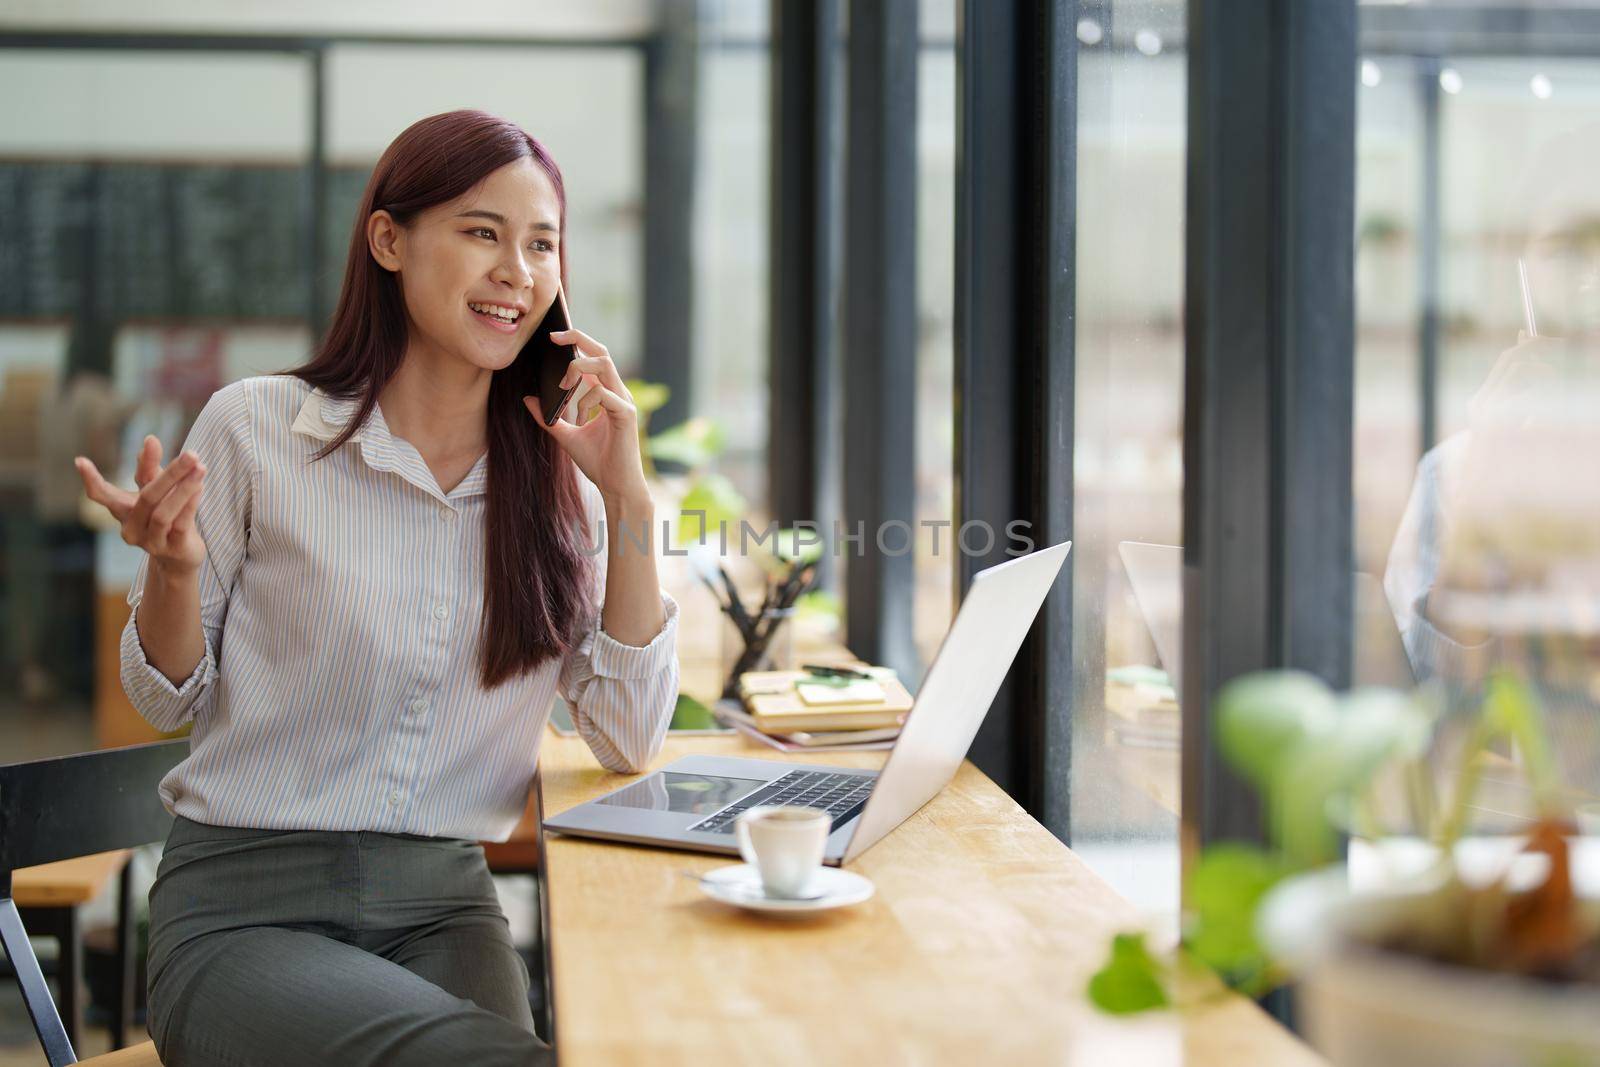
(1418, 962)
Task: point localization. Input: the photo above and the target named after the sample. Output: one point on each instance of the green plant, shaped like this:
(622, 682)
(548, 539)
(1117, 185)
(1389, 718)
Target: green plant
(1313, 755)
(1131, 980)
(710, 500)
(819, 604)
(1381, 228)
(692, 443)
(711, 503)
(648, 398)
(691, 714)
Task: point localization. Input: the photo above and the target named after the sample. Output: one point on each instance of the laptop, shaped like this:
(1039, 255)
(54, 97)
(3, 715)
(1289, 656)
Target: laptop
(1156, 574)
(692, 802)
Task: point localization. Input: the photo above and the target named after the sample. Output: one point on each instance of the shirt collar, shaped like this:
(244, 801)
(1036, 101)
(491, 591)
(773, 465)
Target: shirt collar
(323, 417)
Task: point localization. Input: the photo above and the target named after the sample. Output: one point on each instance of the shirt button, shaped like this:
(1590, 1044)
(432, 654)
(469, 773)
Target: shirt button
(447, 514)
(441, 612)
(419, 705)
(394, 798)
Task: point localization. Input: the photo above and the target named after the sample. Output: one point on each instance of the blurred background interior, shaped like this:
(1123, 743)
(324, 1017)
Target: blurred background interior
(177, 185)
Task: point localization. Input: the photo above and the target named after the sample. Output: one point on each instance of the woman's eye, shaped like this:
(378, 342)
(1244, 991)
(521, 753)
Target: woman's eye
(541, 245)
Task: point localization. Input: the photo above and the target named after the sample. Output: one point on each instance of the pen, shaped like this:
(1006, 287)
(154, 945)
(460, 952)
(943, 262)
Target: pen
(788, 589)
(735, 607)
(839, 672)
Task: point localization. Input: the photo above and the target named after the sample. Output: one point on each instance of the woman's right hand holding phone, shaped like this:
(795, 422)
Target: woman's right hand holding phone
(160, 517)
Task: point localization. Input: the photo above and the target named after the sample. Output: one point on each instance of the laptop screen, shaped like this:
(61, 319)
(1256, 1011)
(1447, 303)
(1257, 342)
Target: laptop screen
(693, 794)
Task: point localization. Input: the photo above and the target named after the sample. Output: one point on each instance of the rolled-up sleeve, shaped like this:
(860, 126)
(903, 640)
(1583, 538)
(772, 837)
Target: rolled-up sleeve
(622, 696)
(221, 437)
(1412, 571)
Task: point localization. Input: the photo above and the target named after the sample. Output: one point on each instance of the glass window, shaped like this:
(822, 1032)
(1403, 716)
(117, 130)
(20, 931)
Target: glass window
(732, 147)
(1128, 449)
(1478, 382)
(1388, 417)
(148, 255)
(935, 387)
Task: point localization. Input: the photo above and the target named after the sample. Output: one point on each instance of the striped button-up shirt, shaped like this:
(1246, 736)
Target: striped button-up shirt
(340, 606)
(1412, 570)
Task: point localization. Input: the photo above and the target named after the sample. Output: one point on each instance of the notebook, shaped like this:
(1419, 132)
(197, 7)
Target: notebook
(776, 704)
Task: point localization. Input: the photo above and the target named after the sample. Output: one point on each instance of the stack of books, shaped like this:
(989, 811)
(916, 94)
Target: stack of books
(841, 707)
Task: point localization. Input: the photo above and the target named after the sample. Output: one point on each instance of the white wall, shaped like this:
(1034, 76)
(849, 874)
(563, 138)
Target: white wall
(417, 18)
(154, 105)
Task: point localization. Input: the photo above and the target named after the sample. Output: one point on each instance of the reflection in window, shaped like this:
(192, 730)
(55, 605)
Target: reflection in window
(1488, 544)
(1128, 447)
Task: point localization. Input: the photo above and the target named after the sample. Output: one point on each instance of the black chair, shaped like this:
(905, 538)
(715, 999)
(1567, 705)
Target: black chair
(524, 854)
(63, 808)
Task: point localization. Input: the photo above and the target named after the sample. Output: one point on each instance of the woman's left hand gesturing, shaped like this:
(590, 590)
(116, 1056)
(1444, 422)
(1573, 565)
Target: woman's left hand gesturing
(606, 447)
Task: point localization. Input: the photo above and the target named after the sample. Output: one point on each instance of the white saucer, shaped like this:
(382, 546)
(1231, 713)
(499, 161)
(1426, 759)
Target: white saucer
(740, 885)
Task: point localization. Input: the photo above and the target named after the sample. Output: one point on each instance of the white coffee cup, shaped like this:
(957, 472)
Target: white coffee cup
(785, 844)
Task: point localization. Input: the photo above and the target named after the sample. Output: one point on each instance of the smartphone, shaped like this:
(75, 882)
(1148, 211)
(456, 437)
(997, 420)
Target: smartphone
(554, 359)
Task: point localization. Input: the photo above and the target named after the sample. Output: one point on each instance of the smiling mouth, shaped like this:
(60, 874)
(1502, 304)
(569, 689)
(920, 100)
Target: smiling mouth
(505, 320)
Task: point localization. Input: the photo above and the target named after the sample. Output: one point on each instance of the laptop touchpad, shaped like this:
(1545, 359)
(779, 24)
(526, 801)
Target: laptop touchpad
(692, 794)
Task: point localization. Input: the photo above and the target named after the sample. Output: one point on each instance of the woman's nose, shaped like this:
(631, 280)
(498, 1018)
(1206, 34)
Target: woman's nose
(515, 269)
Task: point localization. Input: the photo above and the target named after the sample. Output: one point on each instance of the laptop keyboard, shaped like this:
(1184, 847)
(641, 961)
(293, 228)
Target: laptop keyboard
(840, 795)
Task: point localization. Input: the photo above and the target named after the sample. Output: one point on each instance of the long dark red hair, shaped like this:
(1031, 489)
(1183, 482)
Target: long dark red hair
(538, 566)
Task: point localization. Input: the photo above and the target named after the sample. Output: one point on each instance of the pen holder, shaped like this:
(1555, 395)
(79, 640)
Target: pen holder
(773, 649)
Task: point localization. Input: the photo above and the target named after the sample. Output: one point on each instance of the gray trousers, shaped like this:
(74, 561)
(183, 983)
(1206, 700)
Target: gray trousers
(357, 948)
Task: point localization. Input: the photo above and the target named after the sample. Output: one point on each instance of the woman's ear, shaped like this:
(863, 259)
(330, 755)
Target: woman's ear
(384, 239)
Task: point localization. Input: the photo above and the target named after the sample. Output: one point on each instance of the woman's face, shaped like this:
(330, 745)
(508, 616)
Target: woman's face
(1563, 261)
(495, 246)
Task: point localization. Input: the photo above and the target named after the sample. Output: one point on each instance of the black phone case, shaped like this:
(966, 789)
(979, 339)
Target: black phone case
(552, 363)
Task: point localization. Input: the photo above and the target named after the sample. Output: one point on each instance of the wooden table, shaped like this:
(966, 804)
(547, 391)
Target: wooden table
(975, 949)
(47, 899)
(66, 882)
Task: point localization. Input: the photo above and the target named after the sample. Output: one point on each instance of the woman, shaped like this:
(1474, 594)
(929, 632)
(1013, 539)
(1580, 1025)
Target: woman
(402, 565)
